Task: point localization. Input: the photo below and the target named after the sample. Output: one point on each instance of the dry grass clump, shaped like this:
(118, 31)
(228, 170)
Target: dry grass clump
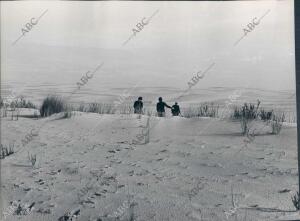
(246, 114)
(101, 108)
(265, 115)
(247, 111)
(250, 112)
(201, 110)
(105, 108)
(68, 112)
(296, 201)
(126, 109)
(20, 102)
(13, 107)
(52, 105)
(32, 159)
(81, 107)
(276, 123)
(6, 151)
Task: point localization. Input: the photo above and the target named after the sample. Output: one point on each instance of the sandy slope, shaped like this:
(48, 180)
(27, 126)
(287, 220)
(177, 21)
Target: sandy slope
(90, 167)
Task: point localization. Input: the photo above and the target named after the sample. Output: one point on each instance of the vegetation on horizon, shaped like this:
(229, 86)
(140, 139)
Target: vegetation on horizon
(52, 104)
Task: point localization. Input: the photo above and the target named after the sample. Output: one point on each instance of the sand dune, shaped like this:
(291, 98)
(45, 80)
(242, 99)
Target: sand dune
(89, 167)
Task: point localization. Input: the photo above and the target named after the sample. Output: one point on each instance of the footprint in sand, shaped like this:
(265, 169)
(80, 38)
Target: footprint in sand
(284, 191)
(132, 164)
(70, 216)
(54, 172)
(116, 161)
(162, 151)
(26, 189)
(131, 173)
(260, 158)
(40, 181)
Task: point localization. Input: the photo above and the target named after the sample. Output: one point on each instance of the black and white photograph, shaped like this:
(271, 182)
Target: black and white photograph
(148, 111)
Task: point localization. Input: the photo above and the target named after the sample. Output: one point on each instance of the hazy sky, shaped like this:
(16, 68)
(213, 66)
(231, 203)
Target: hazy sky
(181, 39)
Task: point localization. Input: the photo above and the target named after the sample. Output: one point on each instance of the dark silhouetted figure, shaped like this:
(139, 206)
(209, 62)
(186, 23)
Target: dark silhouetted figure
(175, 109)
(160, 107)
(138, 106)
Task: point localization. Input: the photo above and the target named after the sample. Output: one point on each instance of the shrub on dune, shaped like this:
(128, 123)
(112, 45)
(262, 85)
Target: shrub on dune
(246, 114)
(265, 115)
(247, 111)
(51, 105)
(23, 103)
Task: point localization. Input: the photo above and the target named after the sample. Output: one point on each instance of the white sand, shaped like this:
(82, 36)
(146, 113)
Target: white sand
(87, 165)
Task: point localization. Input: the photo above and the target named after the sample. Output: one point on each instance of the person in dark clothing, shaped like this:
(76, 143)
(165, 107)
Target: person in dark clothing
(160, 107)
(138, 106)
(175, 109)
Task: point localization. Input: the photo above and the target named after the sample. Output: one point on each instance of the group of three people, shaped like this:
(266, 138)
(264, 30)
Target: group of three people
(160, 107)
